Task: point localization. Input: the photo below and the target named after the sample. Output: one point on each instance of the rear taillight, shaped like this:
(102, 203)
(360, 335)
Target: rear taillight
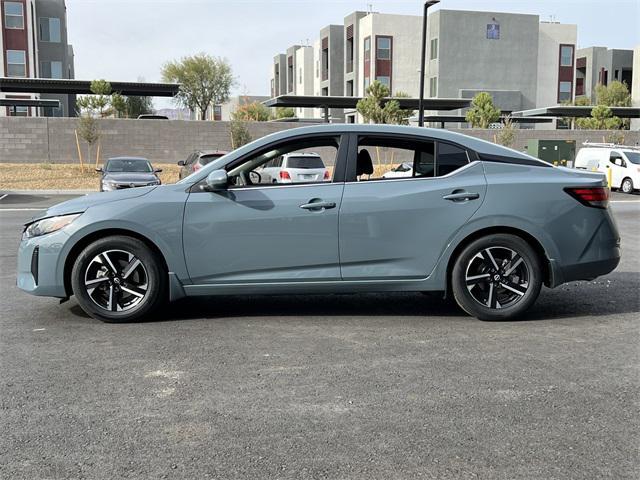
(284, 175)
(326, 175)
(196, 167)
(597, 197)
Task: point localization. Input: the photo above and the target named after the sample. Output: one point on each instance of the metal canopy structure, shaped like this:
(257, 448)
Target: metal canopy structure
(442, 119)
(83, 87)
(28, 102)
(309, 101)
(576, 112)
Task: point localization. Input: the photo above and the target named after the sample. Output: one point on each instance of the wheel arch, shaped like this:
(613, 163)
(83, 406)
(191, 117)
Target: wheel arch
(82, 243)
(547, 271)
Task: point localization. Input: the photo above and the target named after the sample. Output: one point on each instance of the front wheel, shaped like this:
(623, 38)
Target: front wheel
(627, 185)
(497, 277)
(118, 279)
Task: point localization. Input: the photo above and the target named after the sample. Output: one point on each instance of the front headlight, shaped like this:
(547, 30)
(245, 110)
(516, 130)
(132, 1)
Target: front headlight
(48, 225)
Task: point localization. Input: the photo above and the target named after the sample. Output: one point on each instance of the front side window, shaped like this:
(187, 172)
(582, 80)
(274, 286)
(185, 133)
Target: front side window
(434, 49)
(616, 159)
(383, 48)
(308, 160)
(50, 30)
(566, 56)
(16, 63)
(385, 158)
(13, 15)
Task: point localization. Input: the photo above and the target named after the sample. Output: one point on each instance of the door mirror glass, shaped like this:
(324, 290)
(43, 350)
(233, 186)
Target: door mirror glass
(181, 163)
(157, 170)
(217, 180)
(99, 169)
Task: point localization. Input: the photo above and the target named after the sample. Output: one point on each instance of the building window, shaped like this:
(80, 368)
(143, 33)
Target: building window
(51, 112)
(217, 112)
(566, 56)
(433, 86)
(350, 88)
(383, 48)
(50, 30)
(493, 31)
(350, 50)
(564, 93)
(19, 111)
(300, 76)
(367, 62)
(317, 68)
(325, 92)
(386, 81)
(433, 51)
(13, 15)
(324, 57)
(51, 69)
(16, 63)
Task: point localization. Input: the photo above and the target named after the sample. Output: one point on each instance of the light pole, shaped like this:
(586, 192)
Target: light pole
(423, 72)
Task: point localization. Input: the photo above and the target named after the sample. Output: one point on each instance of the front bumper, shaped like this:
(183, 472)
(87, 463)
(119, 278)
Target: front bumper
(39, 272)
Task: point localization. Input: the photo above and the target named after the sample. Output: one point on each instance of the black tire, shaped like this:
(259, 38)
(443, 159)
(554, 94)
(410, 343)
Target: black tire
(119, 295)
(627, 185)
(502, 294)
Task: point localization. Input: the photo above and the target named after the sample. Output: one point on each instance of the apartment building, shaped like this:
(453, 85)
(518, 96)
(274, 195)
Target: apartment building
(34, 45)
(602, 65)
(635, 86)
(522, 62)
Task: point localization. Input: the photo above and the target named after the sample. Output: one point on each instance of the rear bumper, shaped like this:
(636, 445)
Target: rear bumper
(584, 271)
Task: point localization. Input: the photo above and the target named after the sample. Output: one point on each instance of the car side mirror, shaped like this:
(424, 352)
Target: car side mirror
(181, 163)
(157, 170)
(99, 169)
(217, 180)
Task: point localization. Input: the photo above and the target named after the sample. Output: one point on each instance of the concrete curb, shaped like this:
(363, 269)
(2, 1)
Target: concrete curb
(46, 192)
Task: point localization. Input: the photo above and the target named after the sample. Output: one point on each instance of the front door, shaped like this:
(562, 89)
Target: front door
(617, 165)
(397, 227)
(254, 232)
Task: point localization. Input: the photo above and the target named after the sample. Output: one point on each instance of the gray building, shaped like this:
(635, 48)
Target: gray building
(54, 54)
(330, 66)
(279, 75)
(602, 65)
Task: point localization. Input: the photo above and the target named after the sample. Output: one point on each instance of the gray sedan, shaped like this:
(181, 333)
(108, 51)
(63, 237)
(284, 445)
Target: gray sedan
(127, 172)
(487, 224)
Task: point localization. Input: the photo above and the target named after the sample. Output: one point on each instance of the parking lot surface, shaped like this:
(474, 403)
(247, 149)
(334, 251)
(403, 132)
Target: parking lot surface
(376, 386)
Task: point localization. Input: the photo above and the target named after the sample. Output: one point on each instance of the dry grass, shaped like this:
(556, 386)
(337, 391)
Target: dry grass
(46, 176)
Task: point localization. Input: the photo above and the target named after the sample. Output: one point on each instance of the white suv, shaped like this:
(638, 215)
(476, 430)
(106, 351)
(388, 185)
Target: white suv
(295, 168)
(624, 163)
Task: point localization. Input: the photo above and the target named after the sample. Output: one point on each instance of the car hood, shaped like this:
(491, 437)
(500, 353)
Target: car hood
(80, 204)
(129, 177)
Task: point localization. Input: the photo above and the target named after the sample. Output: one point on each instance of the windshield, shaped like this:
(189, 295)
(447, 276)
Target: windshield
(633, 157)
(207, 158)
(129, 165)
(304, 162)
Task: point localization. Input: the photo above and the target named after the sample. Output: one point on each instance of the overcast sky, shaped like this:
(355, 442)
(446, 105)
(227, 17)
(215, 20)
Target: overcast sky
(127, 39)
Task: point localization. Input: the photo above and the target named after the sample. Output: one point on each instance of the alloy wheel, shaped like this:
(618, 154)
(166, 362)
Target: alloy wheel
(627, 186)
(497, 277)
(116, 280)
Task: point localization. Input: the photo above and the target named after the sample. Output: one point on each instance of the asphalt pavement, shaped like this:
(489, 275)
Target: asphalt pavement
(384, 386)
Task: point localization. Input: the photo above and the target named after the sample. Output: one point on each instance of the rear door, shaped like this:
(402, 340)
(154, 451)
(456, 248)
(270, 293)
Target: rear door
(397, 228)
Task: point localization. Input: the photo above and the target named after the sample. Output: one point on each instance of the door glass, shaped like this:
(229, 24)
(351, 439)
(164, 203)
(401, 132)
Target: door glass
(308, 160)
(450, 158)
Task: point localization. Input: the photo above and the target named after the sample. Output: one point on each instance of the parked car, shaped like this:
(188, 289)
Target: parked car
(486, 223)
(295, 167)
(402, 170)
(127, 172)
(197, 160)
(151, 116)
(623, 161)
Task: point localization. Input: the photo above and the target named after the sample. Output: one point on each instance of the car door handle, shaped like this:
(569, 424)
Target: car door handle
(460, 196)
(318, 205)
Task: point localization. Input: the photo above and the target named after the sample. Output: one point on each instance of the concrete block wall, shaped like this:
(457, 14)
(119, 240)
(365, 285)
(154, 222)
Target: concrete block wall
(38, 140)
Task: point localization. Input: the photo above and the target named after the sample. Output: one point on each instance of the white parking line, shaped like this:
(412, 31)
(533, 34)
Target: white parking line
(624, 201)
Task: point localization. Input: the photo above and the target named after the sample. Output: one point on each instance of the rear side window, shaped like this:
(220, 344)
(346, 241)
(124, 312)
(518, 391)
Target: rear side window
(304, 162)
(450, 158)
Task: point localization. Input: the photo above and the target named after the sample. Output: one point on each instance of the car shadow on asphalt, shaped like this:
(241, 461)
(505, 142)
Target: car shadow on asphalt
(614, 294)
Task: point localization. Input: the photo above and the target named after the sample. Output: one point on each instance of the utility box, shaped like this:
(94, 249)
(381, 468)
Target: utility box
(557, 152)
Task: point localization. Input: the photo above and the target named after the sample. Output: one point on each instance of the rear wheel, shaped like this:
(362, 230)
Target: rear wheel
(118, 279)
(627, 185)
(497, 277)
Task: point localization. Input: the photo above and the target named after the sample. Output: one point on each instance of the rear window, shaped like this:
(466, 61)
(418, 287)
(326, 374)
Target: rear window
(304, 162)
(207, 158)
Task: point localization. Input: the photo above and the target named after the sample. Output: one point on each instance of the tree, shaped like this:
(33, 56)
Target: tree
(137, 106)
(601, 119)
(616, 94)
(285, 112)
(507, 134)
(239, 132)
(376, 108)
(482, 112)
(89, 131)
(204, 81)
(99, 102)
(252, 112)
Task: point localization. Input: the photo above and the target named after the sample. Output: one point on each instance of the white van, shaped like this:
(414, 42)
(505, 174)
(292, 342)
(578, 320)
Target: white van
(624, 163)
